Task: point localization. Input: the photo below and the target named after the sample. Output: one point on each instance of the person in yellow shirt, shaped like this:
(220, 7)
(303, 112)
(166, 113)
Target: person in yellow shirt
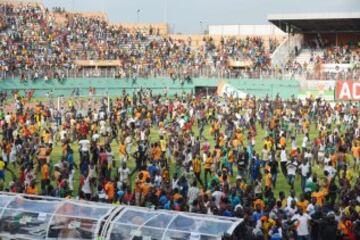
(46, 137)
(266, 224)
(268, 179)
(207, 166)
(2, 170)
(163, 145)
(196, 166)
(268, 143)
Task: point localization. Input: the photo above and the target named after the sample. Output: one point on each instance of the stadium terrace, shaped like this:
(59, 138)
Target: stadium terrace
(128, 131)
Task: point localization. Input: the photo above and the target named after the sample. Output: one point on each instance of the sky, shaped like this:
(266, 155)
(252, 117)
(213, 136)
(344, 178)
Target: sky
(190, 16)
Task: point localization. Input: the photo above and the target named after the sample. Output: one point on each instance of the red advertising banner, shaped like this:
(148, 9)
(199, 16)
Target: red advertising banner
(347, 90)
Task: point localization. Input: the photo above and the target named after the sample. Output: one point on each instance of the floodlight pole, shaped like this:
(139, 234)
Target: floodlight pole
(137, 15)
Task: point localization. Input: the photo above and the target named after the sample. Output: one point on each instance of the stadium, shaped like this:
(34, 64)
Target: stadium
(135, 131)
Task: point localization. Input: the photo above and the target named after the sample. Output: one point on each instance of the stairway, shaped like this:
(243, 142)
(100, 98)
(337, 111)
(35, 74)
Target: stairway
(305, 56)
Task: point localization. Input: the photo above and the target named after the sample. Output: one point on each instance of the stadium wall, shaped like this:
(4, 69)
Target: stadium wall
(114, 87)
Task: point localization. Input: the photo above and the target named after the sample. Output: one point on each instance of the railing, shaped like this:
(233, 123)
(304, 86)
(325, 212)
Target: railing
(286, 50)
(182, 74)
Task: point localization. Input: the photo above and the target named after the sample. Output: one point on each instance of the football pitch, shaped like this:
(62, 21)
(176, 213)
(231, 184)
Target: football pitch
(281, 184)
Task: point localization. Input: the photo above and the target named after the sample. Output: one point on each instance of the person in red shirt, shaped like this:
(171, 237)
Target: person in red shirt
(103, 163)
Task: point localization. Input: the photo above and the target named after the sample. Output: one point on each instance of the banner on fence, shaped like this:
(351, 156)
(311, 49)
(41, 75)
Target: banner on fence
(347, 90)
(225, 89)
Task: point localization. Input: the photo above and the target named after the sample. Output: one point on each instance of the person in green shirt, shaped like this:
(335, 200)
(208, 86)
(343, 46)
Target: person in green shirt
(64, 190)
(311, 184)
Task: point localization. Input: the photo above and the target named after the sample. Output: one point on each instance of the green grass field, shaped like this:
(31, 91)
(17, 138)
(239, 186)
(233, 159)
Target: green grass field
(154, 136)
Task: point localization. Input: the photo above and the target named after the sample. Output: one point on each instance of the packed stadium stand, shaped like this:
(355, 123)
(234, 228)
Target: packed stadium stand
(323, 46)
(32, 38)
(41, 44)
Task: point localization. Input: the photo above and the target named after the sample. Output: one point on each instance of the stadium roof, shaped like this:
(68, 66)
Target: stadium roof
(317, 22)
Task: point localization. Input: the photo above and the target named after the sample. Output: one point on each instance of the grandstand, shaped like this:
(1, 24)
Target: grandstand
(144, 50)
(142, 132)
(131, 51)
(327, 45)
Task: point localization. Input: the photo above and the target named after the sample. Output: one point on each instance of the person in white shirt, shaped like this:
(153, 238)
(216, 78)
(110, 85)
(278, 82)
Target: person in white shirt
(102, 115)
(302, 222)
(157, 179)
(86, 188)
(292, 209)
(102, 127)
(124, 173)
(84, 145)
(293, 143)
(128, 144)
(283, 161)
(265, 155)
(291, 198)
(95, 136)
(63, 134)
(217, 194)
(291, 172)
(193, 193)
(8, 118)
(330, 169)
(312, 207)
(305, 141)
(305, 170)
(110, 156)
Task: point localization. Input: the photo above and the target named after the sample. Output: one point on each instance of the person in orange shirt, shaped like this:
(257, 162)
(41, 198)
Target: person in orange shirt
(259, 204)
(355, 150)
(320, 196)
(268, 179)
(302, 203)
(333, 159)
(145, 189)
(32, 129)
(282, 141)
(239, 136)
(122, 152)
(156, 152)
(110, 191)
(31, 189)
(138, 183)
(176, 195)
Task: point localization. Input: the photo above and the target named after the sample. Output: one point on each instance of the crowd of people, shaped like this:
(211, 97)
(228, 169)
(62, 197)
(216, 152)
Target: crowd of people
(202, 155)
(323, 52)
(221, 156)
(35, 46)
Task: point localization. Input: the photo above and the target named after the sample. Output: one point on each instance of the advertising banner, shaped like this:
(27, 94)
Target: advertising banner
(225, 89)
(347, 90)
